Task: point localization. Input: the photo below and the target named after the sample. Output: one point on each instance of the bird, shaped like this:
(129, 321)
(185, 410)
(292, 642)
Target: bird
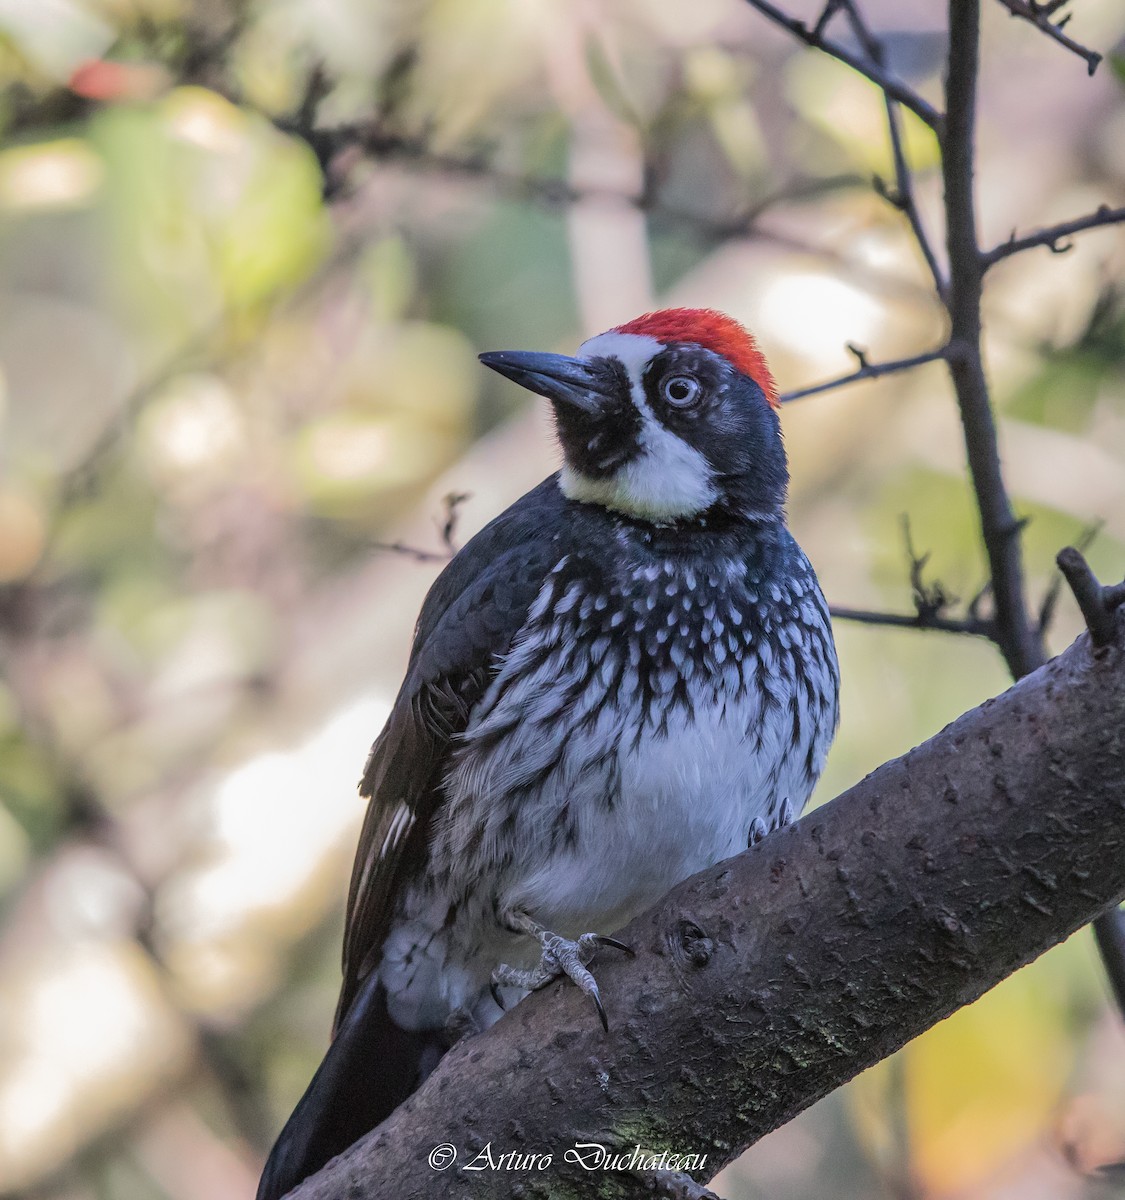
(624, 678)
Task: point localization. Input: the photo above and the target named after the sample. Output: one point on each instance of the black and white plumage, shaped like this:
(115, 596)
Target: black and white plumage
(626, 677)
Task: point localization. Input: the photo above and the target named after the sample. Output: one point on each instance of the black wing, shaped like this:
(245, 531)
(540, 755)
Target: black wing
(470, 616)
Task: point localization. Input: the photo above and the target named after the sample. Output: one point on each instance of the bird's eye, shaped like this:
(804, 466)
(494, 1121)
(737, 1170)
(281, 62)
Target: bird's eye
(682, 391)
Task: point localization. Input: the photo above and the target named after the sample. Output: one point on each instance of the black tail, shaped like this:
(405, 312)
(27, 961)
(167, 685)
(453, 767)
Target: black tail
(370, 1068)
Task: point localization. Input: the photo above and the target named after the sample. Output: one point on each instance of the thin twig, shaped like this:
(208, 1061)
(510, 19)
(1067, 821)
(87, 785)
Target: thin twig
(1053, 235)
(903, 199)
(414, 552)
(1051, 596)
(1039, 15)
(979, 596)
(1099, 603)
(891, 86)
(867, 370)
(447, 528)
(930, 599)
(976, 626)
(902, 195)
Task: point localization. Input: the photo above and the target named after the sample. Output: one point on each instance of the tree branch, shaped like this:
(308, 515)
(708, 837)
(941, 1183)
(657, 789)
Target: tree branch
(902, 196)
(1015, 635)
(1053, 234)
(931, 603)
(866, 370)
(1039, 15)
(892, 87)
(1019, 640)
(447, 528)
(1051, 596)
(1099, 604)
(971, 625)
(768, 980)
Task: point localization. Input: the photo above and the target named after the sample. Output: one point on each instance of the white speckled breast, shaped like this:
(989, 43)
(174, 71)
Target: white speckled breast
(634, 733)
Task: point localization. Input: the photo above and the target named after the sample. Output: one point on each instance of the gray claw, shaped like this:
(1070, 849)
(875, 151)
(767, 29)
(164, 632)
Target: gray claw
(561, 956)
(608, 941)
(600, 1007)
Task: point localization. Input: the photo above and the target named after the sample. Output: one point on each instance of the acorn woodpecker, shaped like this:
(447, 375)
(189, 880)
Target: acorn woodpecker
(624, 678)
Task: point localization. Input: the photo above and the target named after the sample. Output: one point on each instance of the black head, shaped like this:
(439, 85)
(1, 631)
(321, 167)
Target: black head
(660, 429)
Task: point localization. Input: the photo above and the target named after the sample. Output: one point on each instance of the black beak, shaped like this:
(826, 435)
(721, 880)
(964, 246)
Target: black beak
(571, 381)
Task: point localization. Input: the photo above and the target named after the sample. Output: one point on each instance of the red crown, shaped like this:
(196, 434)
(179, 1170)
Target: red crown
(713, 331)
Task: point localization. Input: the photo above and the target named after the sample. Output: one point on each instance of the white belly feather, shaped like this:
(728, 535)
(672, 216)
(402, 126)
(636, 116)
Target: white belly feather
(581, 793)
(686, 800)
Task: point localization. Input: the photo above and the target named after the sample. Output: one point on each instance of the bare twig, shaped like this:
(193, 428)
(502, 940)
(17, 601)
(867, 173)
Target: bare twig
(930, 599)
(1051, 596)
(1053, 235)
(452, 502)
(1099, 603)
(866, 370)
(1039, 15)
(903, 199)
(979, 596)
(902, 195)
(447, 528)
(975, 626)
(892, 87)
(414, 552)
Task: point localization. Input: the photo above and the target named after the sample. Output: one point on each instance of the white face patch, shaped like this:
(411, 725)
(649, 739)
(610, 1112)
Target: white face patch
(668, 479)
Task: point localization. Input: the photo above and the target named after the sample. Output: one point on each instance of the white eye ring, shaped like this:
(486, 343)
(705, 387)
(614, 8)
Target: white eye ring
(681, 391)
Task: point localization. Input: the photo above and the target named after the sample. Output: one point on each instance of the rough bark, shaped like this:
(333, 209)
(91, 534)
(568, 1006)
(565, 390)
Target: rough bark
(765, 982)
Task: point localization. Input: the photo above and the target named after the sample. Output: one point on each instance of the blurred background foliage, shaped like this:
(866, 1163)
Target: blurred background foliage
(248, 251)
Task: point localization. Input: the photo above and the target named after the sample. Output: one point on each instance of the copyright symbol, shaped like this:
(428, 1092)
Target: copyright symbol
(443, 1156)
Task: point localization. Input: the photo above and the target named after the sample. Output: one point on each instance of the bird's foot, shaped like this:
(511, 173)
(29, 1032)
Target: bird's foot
(561, 956)
(459, 1025)
(758, 831)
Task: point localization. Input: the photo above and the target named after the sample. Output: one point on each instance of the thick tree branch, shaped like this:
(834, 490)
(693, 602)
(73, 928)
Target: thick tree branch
(892, 87)
(1053, 234)
(765, 982)
(1011, 628)
(1039, 13)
